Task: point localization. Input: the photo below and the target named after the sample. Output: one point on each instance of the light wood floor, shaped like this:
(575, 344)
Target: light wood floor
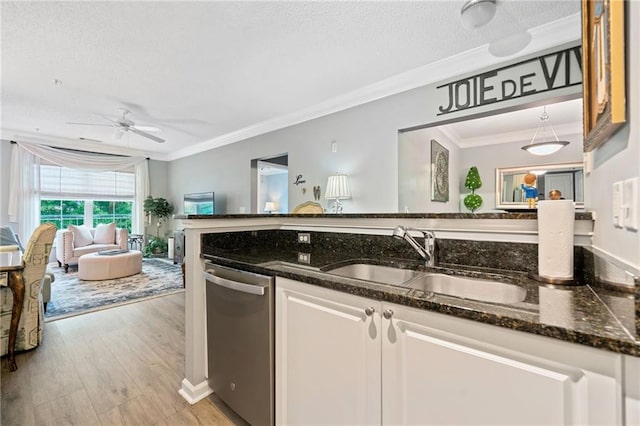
(120, 366)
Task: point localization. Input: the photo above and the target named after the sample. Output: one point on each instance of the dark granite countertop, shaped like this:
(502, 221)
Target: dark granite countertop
(531, 215)
(575, 314)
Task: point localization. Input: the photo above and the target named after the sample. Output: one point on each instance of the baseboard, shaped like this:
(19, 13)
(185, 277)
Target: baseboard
(193, 394)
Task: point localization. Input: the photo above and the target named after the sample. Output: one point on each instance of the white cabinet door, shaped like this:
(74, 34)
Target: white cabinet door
(327, 357)
(443, 370)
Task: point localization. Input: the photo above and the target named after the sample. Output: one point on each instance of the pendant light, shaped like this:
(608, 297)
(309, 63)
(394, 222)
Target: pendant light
(545, 148)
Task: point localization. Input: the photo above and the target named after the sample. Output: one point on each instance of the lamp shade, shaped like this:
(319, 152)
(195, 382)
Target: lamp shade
(476, 13)
(550, 146)
(337, 188)
(545, 148)
(269, 206)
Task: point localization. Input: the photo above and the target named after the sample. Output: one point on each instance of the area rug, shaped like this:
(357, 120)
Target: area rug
(72, 296)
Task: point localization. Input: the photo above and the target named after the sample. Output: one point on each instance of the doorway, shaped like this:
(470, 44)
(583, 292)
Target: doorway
(270, 185)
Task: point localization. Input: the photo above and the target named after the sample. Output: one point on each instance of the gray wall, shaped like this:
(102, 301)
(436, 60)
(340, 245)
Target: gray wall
(367, 142)
(488, 158)
(158, 187)
(414, 172)
(619, 158)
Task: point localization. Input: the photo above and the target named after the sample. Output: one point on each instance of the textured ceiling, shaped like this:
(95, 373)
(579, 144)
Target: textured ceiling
(202, 70)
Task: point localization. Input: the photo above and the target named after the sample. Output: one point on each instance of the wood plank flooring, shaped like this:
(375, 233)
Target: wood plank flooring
(120, 366)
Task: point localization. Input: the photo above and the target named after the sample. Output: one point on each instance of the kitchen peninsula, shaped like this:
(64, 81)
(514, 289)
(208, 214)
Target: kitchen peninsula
(494, 245)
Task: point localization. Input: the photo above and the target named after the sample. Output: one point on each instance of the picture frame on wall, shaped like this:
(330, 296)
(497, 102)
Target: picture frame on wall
(603, 67)
(439, 172)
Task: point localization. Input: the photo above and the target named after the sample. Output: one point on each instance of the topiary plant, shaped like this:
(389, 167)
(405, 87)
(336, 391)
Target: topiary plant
(473, 201)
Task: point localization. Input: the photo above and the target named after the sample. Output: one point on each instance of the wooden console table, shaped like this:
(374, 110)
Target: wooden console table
(15, 281)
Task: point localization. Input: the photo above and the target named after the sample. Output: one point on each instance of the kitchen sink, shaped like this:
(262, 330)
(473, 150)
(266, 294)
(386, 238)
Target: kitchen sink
(376, 273)
(469, 288)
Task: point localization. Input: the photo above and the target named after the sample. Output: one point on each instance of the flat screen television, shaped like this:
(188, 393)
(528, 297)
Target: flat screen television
(200, 203)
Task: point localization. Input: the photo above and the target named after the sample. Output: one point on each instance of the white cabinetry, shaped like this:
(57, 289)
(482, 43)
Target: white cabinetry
(445, 370)
(327, 357)
(344, 359)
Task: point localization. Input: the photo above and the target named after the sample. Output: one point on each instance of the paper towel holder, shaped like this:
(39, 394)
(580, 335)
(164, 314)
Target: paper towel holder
(554, 281)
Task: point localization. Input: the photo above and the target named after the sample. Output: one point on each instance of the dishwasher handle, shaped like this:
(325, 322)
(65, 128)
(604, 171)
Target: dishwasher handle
(257, 289)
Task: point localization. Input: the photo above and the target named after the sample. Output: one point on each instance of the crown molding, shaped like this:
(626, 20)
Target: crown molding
(543, 37)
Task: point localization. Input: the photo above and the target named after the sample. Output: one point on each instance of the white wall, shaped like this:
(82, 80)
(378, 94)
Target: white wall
(274, 188)
(619, 158)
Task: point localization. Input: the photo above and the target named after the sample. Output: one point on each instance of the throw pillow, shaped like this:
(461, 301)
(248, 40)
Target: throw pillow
(81, 235)
(105, 233)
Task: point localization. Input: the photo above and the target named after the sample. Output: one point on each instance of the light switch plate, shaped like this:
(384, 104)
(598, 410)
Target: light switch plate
(630, 204)
(616, 211)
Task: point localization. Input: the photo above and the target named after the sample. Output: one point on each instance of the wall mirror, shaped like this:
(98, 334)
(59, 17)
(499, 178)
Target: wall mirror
(568, 178)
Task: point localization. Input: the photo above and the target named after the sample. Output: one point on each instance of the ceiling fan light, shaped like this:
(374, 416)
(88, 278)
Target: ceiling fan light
(545, 148)
(476, 13)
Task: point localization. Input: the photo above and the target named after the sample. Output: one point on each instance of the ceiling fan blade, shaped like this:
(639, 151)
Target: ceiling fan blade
(146, 135)
(118, 133)
(90, 124)
(147, 128)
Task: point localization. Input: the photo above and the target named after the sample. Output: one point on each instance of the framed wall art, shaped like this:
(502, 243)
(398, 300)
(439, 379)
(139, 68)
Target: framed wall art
(439, 172)
(603, 63)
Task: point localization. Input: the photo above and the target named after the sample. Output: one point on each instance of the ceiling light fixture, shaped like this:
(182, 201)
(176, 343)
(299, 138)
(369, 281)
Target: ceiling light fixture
(476, 13)
(545, 148)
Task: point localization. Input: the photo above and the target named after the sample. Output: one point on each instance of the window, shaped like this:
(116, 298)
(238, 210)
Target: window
(70, 196)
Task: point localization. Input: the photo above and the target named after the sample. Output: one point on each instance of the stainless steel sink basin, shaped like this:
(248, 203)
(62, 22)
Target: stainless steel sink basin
(377, 273)
(469, 288)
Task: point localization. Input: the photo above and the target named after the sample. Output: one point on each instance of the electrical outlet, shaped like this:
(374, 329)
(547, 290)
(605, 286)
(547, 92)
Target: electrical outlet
(630, 204)
(304, 237)
(616, 211)
(304, 257)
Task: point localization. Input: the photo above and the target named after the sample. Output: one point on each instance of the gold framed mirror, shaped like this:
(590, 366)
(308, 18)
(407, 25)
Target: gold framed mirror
(566, 178)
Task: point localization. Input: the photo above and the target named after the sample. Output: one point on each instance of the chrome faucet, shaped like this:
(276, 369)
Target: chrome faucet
(428, 251)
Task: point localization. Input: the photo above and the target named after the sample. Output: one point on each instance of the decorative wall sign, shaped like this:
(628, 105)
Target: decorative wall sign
(439, 172)
(552, 71)
(603, 64)
(299, 180)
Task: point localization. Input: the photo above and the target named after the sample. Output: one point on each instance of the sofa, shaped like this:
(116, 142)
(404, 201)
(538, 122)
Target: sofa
(75, 241)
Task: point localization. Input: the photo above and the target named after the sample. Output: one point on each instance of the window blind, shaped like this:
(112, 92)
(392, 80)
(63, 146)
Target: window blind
(67, 183)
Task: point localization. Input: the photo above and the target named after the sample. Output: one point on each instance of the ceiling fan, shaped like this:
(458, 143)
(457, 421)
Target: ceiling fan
(123, 125)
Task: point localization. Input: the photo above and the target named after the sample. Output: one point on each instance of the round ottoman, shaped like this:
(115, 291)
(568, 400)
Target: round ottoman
(94, 266)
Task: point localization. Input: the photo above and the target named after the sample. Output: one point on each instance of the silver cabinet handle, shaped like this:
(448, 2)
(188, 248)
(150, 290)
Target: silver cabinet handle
(369, 311)
(387, 314)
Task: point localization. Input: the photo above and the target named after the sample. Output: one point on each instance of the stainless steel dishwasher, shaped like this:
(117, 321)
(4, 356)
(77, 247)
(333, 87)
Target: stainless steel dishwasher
(240, 341)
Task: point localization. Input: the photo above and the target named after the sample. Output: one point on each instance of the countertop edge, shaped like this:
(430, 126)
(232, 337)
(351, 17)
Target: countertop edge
(401, 296)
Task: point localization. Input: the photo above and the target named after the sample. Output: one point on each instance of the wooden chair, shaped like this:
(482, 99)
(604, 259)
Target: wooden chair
(35, 259)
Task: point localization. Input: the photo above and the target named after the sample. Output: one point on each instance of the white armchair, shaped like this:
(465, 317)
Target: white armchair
(68, 251)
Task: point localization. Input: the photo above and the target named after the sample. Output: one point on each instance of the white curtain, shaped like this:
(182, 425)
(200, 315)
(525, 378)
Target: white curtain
(24, 189)
(142, 192)
(24, 192)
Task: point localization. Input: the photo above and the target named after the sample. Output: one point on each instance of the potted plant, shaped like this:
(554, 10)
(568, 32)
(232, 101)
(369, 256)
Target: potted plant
(161, 209)
(473, 201)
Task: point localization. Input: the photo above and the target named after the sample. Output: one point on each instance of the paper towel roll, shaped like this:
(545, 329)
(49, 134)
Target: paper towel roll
(555, 238)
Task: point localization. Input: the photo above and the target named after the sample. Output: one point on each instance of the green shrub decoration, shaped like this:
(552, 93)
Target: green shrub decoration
(473, 201)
